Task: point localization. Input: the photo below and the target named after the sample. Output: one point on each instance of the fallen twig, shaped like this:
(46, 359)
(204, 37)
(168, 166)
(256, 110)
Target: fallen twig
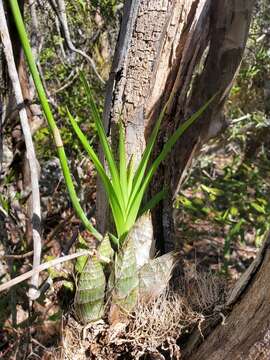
(42, 267)
(20, 256)
(67, 84)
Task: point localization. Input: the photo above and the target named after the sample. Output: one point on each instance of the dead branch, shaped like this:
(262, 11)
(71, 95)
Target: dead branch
(59, 8)
(30, 150)
(75, 75)
(42, 267)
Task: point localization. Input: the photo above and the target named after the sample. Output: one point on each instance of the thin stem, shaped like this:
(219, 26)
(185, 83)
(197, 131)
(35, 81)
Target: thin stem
(60, 11)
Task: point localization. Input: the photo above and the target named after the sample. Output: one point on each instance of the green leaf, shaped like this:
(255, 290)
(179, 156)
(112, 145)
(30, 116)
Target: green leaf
(104, 142)
(122, 164)
(153, 201)
(234, 211)
(211, 190)
(83, 4)
(139, 174)
(130, 174)
(105, 250)
(117, 210)
(56, 316)
(235, 230)
(186, 202)
(81, 260)
(4, 202)
(135, 201)
(49, 116)
(115, 240)
(258, 207)
(69, 285)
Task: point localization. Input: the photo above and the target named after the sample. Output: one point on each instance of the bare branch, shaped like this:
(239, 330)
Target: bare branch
(42, 267)
(20, 256)
(30, 150)
(68, 83)
(60, 10)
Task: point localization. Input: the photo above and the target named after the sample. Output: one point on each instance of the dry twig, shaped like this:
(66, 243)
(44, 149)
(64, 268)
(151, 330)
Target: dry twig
(60, 10)
(30, 150)
(41, 267)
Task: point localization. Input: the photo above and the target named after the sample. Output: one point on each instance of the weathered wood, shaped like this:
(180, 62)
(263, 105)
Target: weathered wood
(210, 46)
(245, 335)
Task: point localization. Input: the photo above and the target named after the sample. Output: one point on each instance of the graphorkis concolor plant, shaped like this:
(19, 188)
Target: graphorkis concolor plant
(112, 275)
(124, 186)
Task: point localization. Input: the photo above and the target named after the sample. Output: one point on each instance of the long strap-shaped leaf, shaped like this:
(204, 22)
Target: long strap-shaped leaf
(122, 164)
(139, 174)
(49, 116)
(104, 142)
(130, 174)
(173, 139)
(113, 199)
(153, 202)
(135, 204)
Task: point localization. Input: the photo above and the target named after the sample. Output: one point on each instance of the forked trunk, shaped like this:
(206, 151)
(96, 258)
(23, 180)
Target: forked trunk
(185, 51)
(188, 50)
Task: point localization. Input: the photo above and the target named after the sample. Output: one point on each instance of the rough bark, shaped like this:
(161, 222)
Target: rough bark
(245, 333)
(185, 50)
(215, 42)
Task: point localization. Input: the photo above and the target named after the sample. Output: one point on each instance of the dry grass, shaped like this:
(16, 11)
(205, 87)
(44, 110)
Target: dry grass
(72, 347)
(160, 323)
(205, 291)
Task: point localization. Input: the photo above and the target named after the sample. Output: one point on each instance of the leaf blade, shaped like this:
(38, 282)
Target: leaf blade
(137, 198)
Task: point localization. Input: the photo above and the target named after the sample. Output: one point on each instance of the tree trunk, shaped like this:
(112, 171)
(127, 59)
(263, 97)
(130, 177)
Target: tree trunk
(186, 51)
(182, 50)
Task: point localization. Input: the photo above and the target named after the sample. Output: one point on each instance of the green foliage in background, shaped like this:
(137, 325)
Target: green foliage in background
(238, 198)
